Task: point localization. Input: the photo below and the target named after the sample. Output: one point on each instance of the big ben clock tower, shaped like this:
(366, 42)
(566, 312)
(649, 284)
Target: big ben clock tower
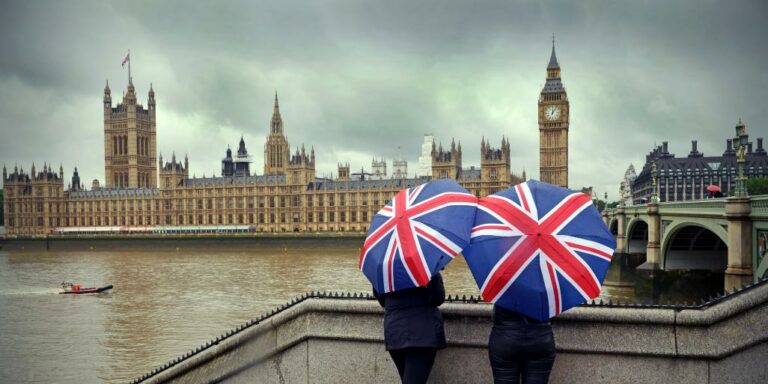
(553, 127)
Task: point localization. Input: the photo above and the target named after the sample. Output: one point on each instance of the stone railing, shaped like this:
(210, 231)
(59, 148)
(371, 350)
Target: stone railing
(332, 338)
(759, 207)
(709, 207)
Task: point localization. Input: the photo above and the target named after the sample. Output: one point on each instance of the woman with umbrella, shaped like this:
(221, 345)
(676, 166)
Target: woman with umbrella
(409, 242)
(536, 251)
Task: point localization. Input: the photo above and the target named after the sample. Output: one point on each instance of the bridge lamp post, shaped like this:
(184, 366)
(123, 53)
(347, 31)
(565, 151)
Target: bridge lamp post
(741, 139)
(654, 176)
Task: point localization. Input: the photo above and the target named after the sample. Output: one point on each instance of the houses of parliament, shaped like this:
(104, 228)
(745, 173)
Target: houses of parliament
(143, 193)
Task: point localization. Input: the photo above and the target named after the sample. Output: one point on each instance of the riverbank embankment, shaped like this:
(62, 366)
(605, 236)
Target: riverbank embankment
(336, 338)
(180, 242)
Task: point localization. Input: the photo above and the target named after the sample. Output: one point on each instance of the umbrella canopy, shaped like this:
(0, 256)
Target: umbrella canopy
(416, 234)
(539, 249)
(713, 188)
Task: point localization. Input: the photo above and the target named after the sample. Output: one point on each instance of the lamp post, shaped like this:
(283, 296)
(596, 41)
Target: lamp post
(654, 194)
(741, 138)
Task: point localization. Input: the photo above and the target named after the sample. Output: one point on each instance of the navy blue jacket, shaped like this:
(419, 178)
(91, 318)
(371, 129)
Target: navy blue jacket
(411, 316)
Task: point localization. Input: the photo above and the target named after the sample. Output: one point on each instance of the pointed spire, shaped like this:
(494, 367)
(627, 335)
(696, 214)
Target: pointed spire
(277, 104)
(277, 120)
(553, 59)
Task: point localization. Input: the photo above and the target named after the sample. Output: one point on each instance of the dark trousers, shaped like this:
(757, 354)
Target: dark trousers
(413, 364)
(524, 351)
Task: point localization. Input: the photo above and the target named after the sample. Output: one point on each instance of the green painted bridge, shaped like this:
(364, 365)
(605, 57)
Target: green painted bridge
(715, 234)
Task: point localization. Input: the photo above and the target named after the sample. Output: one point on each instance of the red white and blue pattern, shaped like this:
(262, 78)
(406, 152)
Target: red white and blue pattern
(539, 249)
(417, 234)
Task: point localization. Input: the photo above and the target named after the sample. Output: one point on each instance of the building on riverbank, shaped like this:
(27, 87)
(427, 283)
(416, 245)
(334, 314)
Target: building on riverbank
(687, 178)
(288, 197)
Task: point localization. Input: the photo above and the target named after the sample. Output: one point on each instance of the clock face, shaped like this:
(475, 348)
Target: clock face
(552, 113)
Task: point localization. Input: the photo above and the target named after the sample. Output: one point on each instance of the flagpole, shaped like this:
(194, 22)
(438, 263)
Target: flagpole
(129, 67)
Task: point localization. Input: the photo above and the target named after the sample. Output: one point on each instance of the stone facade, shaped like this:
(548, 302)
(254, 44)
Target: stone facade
(288, 197)
(553, 127)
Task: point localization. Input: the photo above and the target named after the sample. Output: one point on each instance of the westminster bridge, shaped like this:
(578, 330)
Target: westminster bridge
(727, 234)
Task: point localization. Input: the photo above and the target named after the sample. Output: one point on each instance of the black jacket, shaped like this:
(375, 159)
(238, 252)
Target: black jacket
(411, 316)
(508, 317)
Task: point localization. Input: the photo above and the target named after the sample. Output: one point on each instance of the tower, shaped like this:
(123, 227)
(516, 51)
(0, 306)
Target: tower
(494, 165)
(130, 141)
(446, 164)
(276, 151)
(553, 127)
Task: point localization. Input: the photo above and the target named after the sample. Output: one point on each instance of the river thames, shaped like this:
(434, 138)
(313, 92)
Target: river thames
(164, 302)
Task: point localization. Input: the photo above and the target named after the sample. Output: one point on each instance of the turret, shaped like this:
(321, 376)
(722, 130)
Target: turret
(107, 97)
(61, 171)
(5, 173)
(151, 101)
(312, 153)
(160, 161)
(186, 162)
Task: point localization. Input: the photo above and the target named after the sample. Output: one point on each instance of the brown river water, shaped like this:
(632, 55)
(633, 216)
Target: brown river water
(164, 302)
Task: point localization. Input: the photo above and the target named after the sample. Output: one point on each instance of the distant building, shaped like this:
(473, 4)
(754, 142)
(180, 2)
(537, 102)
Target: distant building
(686, 178)
(399, 169)
(130, 141)
(554, 120)
(162, 197)
(379, 168)
(425, 160)
(625, 187)
(238, 166)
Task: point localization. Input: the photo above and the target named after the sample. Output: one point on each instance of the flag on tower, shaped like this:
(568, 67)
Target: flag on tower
(127, 59)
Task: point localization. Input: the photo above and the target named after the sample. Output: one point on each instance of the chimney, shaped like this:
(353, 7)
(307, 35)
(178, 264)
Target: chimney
(729, 148)
(749, 147)
(694, 149)
(760, 151)
(665, 147)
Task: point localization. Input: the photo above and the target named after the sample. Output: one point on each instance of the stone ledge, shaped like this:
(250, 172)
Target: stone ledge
(677, 338)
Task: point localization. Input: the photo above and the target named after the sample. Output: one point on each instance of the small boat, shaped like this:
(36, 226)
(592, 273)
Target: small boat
(68, 288)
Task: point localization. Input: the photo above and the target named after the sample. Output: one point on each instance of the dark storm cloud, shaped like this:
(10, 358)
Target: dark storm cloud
(362, 79)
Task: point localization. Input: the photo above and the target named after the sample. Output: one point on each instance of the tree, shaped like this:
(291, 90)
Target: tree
(757, 186)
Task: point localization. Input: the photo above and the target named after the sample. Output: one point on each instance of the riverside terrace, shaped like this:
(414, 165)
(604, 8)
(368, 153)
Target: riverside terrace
(338, 337)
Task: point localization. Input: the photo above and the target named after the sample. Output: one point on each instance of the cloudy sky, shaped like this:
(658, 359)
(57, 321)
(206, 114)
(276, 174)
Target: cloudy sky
(358, 79)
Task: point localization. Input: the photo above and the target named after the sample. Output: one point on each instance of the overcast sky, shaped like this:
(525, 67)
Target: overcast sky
(358, 79)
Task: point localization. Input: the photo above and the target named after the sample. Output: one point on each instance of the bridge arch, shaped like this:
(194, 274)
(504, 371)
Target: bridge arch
(695, 246)
(637, 236)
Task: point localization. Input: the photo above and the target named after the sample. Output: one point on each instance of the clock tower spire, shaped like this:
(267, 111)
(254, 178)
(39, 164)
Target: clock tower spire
(553, 126)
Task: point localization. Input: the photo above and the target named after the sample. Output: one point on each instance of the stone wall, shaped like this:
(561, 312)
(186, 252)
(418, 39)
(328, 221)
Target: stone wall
(322, 338)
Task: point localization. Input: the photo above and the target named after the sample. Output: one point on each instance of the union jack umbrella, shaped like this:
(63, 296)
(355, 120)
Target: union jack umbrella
(416, 234)
(539, 249)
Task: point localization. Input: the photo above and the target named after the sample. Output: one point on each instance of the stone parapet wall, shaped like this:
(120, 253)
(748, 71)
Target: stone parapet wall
(323, 338)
